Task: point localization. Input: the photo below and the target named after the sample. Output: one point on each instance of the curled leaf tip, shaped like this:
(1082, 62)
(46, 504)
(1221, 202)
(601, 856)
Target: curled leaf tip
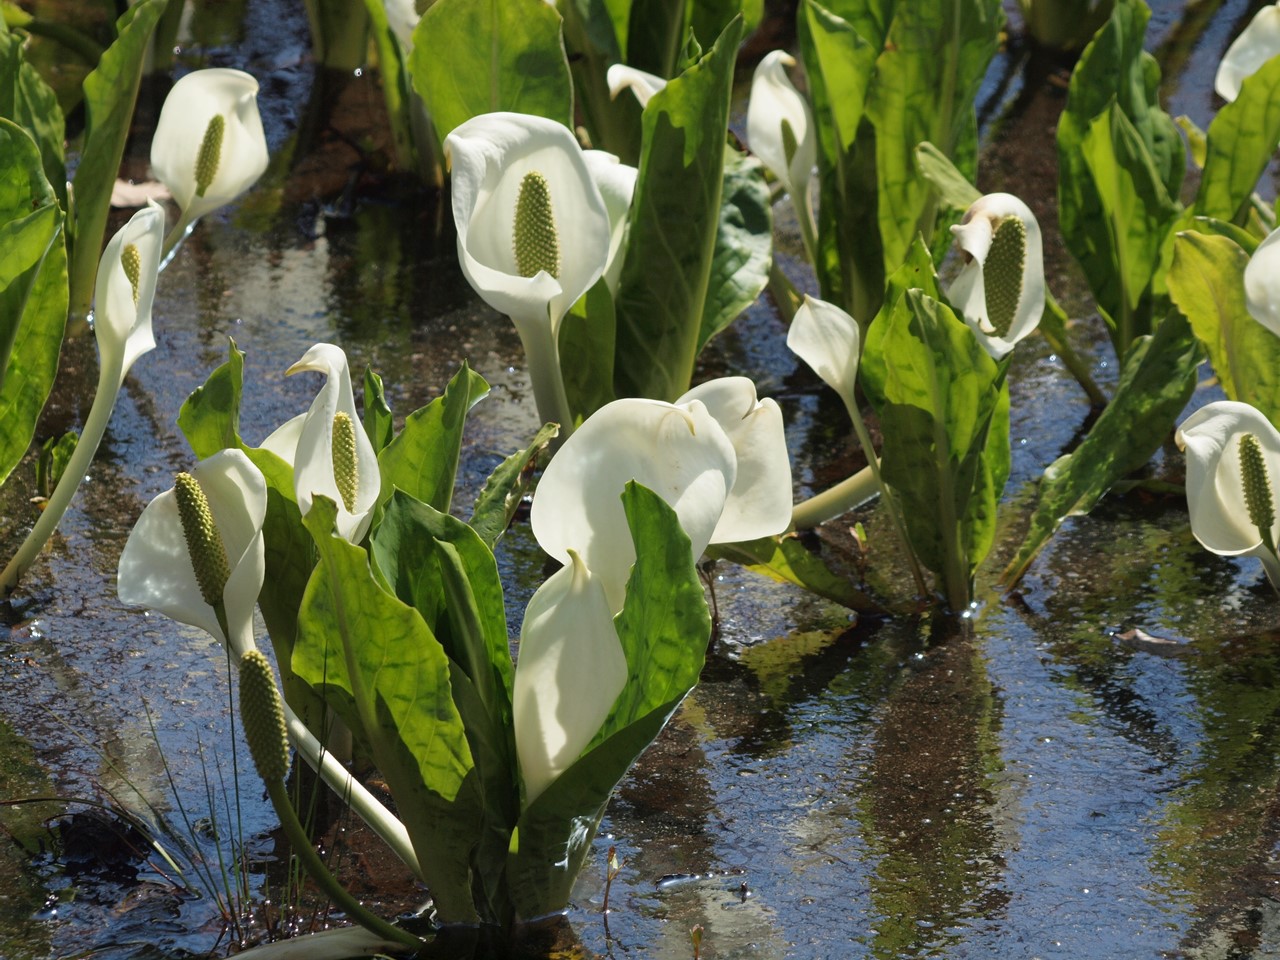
(537, 242)
(204, 543)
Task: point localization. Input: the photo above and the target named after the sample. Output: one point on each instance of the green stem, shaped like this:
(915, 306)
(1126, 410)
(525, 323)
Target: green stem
(78, 43)
(175, 237)
(1055, 331)
(95, 427)
(327, 882)
(785, 295)
(544, 373)
(848, 494)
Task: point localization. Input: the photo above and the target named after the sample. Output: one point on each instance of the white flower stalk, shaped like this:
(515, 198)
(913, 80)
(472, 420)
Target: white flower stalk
(1262, 283)
(759, 502)
(123, 295)
(643, 85)
(570, 671)
(679, 452)
(333, 456)
(781, 132)
(1000, 291)
(1259, 42)
(534, 233)
(209, 146)
(1233, 466)
(617, 184)
(163, 566)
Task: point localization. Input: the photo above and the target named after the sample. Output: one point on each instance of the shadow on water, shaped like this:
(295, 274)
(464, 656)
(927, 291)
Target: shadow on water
(1088, 768)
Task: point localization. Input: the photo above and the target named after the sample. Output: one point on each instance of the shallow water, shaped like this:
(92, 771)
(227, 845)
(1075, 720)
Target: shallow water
(1089, 769)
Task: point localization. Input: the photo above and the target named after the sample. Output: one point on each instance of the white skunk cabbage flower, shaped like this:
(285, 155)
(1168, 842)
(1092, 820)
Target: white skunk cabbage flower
(759, 502)
(780, 128)
(200, 544)
(616, 182)
(1262, 283)
(570, 671)
(123, 295)
(534, 233)
(643, 85)
(333, 456)
(1259, 42)
(209, 146)
(1000, 291)
(1233, 463)
(828, 339)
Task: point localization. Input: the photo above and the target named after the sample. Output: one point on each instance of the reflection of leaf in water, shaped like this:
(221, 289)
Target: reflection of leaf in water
(23, 834)
(777, 662)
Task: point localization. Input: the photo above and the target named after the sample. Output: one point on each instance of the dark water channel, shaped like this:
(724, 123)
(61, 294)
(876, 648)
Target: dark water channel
(1090, 770)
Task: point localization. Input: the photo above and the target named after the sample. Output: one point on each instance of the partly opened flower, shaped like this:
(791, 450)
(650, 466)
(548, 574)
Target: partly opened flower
(644, 85)
(828, 340)
(209, 146)
(617, 184)
(1259, 42)
(1233, 464)
(570, 671)
(1001, 290)
(201, 544)
(780, 128)
(1262, 283)
(333, 456)
(759, 502)
(534, 233)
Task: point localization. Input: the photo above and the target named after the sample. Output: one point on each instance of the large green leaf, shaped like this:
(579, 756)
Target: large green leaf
(110, 92)
(423, 458)
(500, 498)
(593, 42)
(787, 560)
(33, 291)
(587, 347)
(943, 407)
(744, 245)
(656, 34)
(1158, 378)
(674, 217)
(664, 627)
(1241, 142)
(927, 77)
(1206, 283)
(502, 55)
(31, 103)
(356, 637)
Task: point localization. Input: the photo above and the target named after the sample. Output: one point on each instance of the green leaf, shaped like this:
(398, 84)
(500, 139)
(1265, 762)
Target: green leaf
(502, 55)
(1241, 142)
(110, 92)
(943, 407)
(787, 560)
(1206, 283)
(210, 416)
(31, 103)
(744, 245)
(1156, 383)
(655, 34)
(423, 458)
(355, 636)
(674, 216)
(664, 627)
(500, 498)
(927, 77)
(586, 345)
(377, 414)
(33, 291)
(953, 188)
(592, 40)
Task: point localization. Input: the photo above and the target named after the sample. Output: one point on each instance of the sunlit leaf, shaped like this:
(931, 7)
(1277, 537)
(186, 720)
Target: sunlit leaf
(1241, 142)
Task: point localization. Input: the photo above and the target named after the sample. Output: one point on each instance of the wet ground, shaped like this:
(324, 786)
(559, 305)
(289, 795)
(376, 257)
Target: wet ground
(1089, 768)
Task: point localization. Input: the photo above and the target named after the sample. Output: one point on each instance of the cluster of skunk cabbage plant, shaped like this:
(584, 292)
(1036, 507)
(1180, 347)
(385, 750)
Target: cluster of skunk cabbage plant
(388, 610)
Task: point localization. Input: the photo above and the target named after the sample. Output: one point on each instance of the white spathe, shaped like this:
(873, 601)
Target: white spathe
(760, 500)
(184, 119)
(155, 567)
(679, 452)
(1258, 43)
(827, 338)
(570, 671)
(775, 101)
(616, 182)
(969, 292)
(1262, 283)
(121, 320)
(313, 457)
(643, 85)
(1215, 485)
